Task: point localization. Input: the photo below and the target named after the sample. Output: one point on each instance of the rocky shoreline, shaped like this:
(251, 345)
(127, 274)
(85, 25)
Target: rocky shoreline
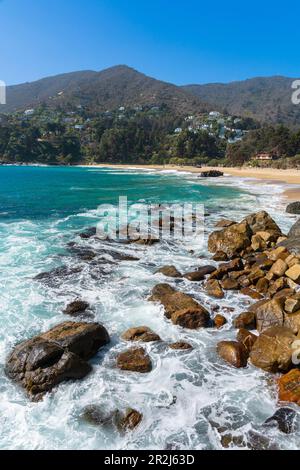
(255, 258)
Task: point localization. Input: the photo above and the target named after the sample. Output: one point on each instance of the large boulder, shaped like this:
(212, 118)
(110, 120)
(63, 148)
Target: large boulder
(169, 271)
(233, 352)
(293, 208)
(231, 240)
(214, 289)
(181, 308)
(262, 222)
(284, 419)
(269, 313)
(134, 360)
(273, 350)
(60, 354)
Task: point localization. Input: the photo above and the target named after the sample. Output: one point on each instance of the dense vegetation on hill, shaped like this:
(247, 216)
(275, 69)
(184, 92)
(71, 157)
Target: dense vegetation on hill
(139, 135)
(266, 99)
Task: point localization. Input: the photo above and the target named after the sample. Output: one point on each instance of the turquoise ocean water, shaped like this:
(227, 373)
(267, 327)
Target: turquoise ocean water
(43, 209)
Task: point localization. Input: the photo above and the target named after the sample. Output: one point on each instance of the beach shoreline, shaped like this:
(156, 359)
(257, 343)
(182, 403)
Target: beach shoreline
(289, 179)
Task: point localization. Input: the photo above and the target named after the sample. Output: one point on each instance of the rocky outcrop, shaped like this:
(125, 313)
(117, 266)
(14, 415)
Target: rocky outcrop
(60, 354)
(273, 350)
(246, 338)
(214, 289)
(284, 419)
(181, 346)
(141, 333)
(211, 174)
(293, 241)
(246, 320)
(231, 240)
(181, 308)
(134, 360)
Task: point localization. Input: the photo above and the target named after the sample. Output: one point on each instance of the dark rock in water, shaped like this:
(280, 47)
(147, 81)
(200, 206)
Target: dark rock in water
(233, 353)
(142, 333)
(181, 346)
(211, 174)
(60, 354)
(194, 276)
(129, 421)
(293, 208)
(56, 275)
(83, 253)
(134, 360)
(256, 441)
(95, 415)
(88, 233)
(247, 338)
(76, 308)
(169, 271)
(285, 419)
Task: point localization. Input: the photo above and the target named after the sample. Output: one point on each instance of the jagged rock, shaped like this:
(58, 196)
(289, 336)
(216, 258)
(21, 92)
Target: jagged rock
(55, 276)
(246, 338)
(262, 285)
(134, 360)
(270, 313)
(169, 271)
(88, 233)
(229, 284)
(289, 387)
(220, 321)
(233, 352)
(181, 346)
(41, 363)
(292, 304)
(141, 333)
(214, 289)
(76, 308)
(262, 222)
(278, 253)
(236, 265)
(246, 320)
(231, 240)
(279, 268)
(284, 419)
(96, 415)
(272, 350)
(251, 293)
(293, 208)
(220, 256)
(181, 308)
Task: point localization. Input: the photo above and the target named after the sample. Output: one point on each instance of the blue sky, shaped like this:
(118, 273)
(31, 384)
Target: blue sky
(182, 42)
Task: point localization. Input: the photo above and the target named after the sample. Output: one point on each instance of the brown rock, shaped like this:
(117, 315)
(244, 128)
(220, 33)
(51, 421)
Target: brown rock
(141, 333)
(76, 308)
(294, 273)
(191, 318)
(181, 308)
(292, 321)
(230, 240)
(262, 285)
(169, 271)
(220, 256)
(272, 350)
(255, 275)
(278, 285)
(194, 276)
(283, 293)
(134, 360)
(245, 320)
(181, 346)
(246, 338)
(289, 387)
(233, 352)
(262, 222)
(205, 270)
(279, 268)
(278, 253)
(43, 362)
(257, 243)
(214, 289)
(269, 314)
(251, 293)
(292, 304)
(224, 223)
(130, 420)
(220, 321)
(229, 284)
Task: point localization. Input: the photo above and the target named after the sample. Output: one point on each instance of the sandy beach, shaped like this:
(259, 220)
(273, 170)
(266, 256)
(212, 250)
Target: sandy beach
(289, 178)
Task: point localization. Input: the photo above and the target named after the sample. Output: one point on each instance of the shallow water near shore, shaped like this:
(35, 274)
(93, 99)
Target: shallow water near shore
(190, 399)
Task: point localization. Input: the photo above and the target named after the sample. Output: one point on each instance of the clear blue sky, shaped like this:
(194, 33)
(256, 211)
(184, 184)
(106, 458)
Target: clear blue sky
(190, 41)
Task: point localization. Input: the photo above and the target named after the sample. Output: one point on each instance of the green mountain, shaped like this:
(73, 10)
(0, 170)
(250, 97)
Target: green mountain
(265, 99)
